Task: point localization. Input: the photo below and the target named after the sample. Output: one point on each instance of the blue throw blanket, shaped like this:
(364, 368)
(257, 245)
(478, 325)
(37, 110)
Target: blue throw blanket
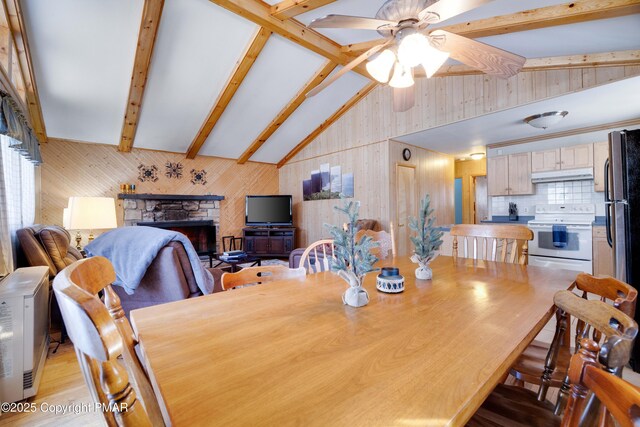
(131, 250)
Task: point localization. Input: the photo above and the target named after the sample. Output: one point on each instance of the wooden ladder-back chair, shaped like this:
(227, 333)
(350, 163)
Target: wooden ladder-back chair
(532, 366)
(317, 257)
(260, 274)
(492, 242)
(386, 241)
(101, 334)
(513, 405)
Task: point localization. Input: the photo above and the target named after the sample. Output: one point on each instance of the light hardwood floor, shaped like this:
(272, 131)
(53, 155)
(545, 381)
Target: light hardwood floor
(62, 384)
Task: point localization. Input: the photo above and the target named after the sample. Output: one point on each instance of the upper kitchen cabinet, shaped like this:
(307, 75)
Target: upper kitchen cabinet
(576, 156)
(543, 161)
(600, 156)
(509, 175)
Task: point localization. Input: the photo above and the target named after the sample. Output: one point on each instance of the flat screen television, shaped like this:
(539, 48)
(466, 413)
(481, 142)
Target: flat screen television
(268, 210)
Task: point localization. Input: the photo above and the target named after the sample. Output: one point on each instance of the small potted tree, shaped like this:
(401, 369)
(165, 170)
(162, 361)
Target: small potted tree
(427, 240)
(353, 259)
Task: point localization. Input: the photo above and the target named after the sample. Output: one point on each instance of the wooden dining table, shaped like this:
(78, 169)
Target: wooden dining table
(290, 353)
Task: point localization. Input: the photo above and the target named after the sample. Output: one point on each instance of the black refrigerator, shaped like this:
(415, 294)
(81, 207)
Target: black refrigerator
(622, 199)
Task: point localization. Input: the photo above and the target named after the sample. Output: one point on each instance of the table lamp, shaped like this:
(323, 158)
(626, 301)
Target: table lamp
(91, 213)
(65, 224)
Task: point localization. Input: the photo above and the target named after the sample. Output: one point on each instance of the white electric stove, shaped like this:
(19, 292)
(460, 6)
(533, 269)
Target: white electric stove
(577, 255)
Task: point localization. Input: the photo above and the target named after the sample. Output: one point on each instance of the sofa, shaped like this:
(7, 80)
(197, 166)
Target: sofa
(168, 278)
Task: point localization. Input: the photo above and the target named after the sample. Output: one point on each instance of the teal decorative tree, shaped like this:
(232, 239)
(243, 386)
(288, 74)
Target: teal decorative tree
(353, 259)
(427, 240)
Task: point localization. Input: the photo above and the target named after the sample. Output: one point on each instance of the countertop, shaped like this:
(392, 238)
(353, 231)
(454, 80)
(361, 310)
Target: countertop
(504, 219)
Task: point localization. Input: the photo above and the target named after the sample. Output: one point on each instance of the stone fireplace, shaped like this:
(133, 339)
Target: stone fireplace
(198, 217)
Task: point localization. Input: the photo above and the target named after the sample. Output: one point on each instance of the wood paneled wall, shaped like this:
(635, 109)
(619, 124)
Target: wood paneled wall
(443, 100)
(467, 170)
(373, 167)
(79, 169)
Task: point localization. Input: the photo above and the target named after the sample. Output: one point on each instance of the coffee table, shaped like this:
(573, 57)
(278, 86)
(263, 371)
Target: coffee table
(234, 263)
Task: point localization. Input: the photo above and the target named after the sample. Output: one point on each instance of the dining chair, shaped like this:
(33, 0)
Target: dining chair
(513, 405)
(101, 335)
(532, 366)
(317, 257)
(232, 243)
(386, 241)
(500, 243)
(260, 274)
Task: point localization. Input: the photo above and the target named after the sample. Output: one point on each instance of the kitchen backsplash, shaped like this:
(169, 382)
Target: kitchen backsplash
(552, 193)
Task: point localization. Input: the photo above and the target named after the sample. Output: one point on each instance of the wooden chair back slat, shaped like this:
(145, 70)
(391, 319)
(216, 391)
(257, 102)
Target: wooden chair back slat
(386, 241)
(260, 274)
(502, 243)
(311, 260)
(100, 339)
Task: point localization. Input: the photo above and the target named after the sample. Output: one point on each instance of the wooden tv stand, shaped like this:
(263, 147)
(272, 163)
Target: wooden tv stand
(269, 241)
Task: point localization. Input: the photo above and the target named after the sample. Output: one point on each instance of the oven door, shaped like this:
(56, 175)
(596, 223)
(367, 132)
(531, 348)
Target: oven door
(579, 242)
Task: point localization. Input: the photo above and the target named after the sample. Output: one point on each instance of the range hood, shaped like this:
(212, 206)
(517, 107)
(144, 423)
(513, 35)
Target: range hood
(562, 175)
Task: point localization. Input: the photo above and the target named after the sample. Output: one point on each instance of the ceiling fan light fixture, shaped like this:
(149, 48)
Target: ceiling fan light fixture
(402, 77)
(380, 67)
(433, 59)
(544, 120)
(412, 47)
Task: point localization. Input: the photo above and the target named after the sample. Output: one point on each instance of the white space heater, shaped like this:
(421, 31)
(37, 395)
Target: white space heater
(24, 331)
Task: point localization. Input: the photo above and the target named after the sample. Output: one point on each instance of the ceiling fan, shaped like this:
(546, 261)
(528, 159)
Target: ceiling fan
(409, 43)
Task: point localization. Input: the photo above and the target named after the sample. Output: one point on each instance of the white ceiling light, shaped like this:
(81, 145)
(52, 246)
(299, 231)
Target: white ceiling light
(412, 47)
(476, 156)
(401, 77)
(380, 67)
(544, 120)
(432, 60)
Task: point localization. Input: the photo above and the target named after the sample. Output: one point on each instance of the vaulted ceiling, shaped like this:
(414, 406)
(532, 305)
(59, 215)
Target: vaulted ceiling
(227, 78)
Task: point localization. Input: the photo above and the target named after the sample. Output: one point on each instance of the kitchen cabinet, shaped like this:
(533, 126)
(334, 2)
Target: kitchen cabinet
(498, 175)
(600, 156)
(576, 156)
(547, 160)
(520, 174)
(509, 175)
(602, 253)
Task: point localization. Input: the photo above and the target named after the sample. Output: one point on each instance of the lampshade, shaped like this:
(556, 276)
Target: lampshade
(380, 67)
(65, 218)
(544, 120)
(412, 47)
(432, 60)
(91, 213)
(401, 77)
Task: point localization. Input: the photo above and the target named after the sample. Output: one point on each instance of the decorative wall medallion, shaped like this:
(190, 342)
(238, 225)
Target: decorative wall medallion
(147, 173)
(198, 176)
(173, 170)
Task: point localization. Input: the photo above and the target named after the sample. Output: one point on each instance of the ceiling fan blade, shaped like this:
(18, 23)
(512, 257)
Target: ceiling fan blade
(488, 59)
(446, 9)
(403, 98)
(352, 22)
(344, 70)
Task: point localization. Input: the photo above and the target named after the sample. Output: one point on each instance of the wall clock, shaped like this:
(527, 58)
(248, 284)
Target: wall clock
(406, 154)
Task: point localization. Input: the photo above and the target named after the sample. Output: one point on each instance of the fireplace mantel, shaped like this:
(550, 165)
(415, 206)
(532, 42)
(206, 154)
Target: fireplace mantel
(147, 196)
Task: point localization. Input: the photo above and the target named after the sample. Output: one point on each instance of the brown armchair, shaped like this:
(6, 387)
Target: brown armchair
(168, 278)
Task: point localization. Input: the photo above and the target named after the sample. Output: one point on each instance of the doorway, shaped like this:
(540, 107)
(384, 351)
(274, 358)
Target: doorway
(406, 197)
(480, 202)
(457, 188)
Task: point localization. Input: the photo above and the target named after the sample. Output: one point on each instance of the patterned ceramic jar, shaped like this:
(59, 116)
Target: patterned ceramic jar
(390, 281)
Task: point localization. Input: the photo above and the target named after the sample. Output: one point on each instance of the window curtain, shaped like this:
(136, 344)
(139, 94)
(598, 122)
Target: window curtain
(19, 154)
(14, 125)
